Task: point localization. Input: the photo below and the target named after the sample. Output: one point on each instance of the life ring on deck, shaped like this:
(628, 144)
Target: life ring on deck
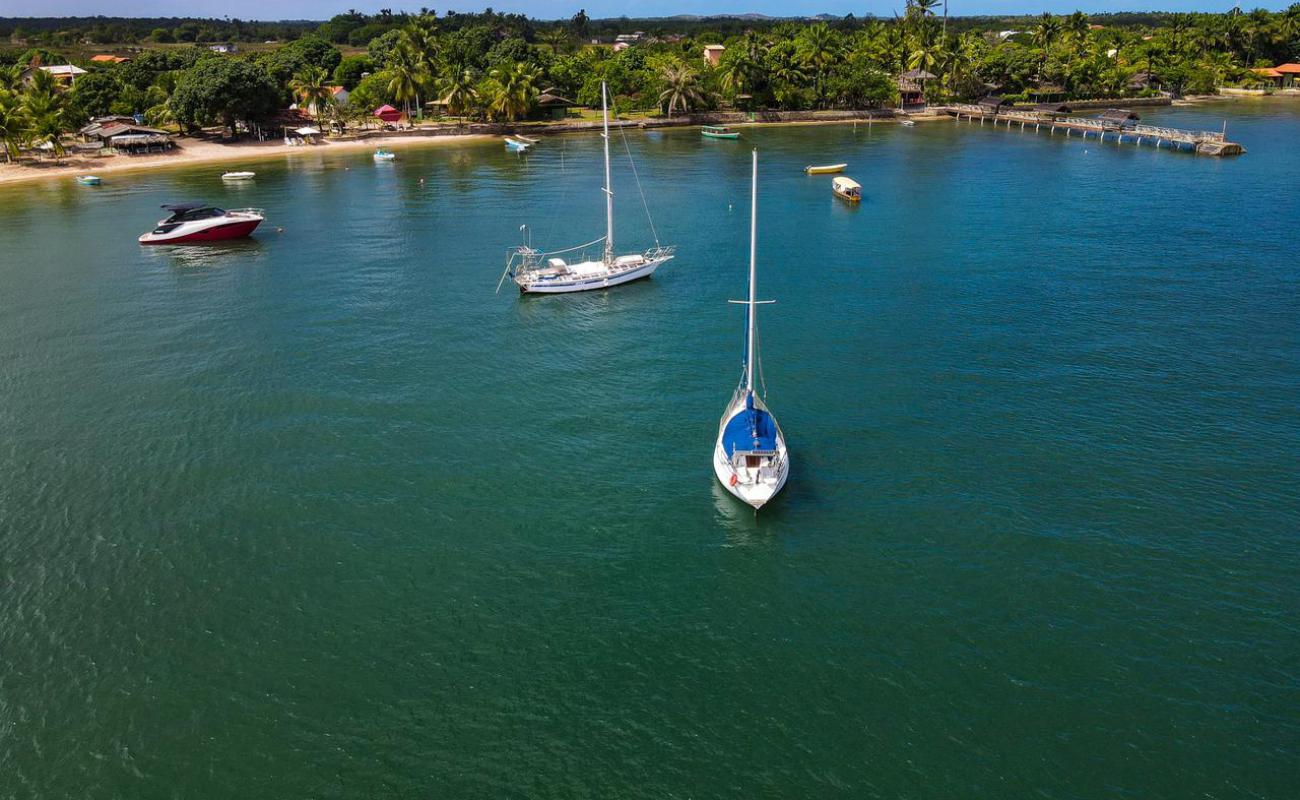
(734, 480)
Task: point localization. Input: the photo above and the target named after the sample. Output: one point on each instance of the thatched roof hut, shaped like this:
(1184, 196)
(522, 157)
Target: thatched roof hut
(1052, 109)
(992, 104)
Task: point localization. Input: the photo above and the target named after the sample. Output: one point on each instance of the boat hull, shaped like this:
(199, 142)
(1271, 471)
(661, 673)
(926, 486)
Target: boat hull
(236, 229)
(720, 135)
(643, 270)
(754, 496)
(754, 493)
(826, 170)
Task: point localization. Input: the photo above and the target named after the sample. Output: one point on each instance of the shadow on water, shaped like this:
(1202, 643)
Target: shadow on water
(204, 256)
(742, 525)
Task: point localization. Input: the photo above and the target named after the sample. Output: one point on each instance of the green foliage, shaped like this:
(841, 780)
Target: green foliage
(309, 51)
(351, 69)
(494, 64)
(381, 47)
(224, 90)
(94, 94)
(372, 92)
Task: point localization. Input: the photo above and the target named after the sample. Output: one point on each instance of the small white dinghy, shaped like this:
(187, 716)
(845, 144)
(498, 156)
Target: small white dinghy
(909, 123)
(383, 154)
(238, 176)
(750, 457)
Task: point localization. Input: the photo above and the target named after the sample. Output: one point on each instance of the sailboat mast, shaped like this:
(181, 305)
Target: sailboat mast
(753, 258)
(609, 192)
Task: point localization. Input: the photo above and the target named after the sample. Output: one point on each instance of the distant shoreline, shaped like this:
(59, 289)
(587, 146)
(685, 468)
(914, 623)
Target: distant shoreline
(199, 152)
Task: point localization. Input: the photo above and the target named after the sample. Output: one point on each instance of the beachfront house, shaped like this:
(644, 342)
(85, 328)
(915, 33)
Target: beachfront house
(64, 74)
(713, 54)
(621, 46)
(911, 87)
(128, 137)
(993, 104)
(105, 58)
(1283, 76)
(552, 105)
(1118, 118)
(224, 48)
(1269, 76)
(1052, 110)
(90, 131)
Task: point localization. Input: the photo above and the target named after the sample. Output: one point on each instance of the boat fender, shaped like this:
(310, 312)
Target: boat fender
(734, 480)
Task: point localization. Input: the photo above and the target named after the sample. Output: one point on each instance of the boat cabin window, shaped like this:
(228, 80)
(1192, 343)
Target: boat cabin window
(196, 213)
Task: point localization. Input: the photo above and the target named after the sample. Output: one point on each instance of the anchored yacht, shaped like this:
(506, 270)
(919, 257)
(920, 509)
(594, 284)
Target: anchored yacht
(750, 457)
(536, 272)
(192, 223)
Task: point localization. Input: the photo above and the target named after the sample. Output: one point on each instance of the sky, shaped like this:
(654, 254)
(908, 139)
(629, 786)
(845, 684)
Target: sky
(556, 9)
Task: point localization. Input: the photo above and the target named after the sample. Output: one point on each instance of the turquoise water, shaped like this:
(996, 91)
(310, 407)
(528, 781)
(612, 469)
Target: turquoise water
(319, 515)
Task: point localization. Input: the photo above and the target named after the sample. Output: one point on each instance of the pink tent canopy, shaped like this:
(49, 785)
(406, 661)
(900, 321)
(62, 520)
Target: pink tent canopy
(387, 113)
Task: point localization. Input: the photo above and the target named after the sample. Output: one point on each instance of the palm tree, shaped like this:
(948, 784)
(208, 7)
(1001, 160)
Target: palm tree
(312, 88)
(818, 47)
(1045, 34)
(11, 77)
(511, 91)
(926, 57)
(46, 120)
(14, 124)
(741, 70)
(682, 87)
(458, 92)
(405, 76)
(557, 38)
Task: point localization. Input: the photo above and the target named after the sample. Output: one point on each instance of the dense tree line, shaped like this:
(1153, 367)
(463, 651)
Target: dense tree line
(493, 66)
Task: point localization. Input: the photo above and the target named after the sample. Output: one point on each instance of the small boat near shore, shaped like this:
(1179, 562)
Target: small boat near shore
(907, 122)
(847, 189)
(89, 180)
(526, 139)
(825, 169)
(200, 223)
(718, 132)
(383, 154)
(517, 145)
(238, 176)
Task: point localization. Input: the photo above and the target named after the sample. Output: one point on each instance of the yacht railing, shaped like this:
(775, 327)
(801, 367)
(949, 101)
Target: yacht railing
(261, 212)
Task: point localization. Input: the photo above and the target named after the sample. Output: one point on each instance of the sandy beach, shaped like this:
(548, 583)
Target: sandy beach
(191, 152)
(196, 151)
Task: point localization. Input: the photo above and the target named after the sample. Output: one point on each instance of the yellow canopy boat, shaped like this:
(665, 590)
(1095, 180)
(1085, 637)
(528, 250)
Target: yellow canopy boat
(825, 169)
(847, 188)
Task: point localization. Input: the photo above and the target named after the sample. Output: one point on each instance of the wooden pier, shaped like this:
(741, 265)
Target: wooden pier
(1206, 143)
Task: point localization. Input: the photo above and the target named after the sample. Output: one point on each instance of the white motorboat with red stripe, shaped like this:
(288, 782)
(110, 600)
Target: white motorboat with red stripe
(196, 223)
(536, 272)
(750, 457)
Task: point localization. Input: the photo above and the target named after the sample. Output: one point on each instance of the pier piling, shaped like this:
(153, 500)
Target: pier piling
(1210, 143)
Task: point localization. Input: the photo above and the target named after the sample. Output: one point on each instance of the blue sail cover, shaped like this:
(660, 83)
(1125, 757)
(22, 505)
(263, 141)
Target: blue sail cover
(751, 431)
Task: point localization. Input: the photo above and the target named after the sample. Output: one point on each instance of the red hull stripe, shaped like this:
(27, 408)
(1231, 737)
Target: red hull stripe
(231, 230)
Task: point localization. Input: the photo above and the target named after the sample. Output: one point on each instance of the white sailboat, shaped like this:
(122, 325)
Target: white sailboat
(550, 273)
(750, 457)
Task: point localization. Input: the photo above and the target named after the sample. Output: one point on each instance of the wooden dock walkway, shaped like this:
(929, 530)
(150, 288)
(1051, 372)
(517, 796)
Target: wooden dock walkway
(1206, 143)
